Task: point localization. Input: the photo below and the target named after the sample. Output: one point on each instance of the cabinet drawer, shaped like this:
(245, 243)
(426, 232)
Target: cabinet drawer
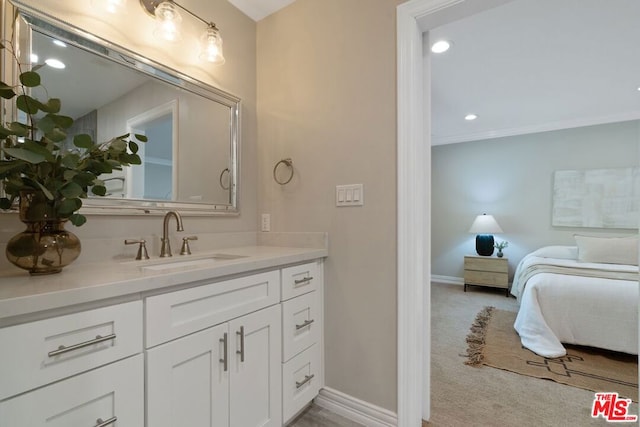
(486, 278)
(498, 265)
(113, 391)
(301, 381)
(179, 313)
(300, 279)
(301, 324)
(32, 361)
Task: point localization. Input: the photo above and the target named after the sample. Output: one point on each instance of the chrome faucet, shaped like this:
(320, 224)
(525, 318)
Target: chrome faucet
(165, 250)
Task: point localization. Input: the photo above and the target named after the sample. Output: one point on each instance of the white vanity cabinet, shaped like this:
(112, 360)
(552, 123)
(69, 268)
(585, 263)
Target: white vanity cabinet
(239, 350)
(302, 287)
(84, 368)
(227, 374)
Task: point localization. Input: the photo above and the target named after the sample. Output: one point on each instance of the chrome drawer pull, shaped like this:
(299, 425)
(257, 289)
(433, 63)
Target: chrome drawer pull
(304, 325)
(105, 423)
(224, 360)
(241, 351)
(97, 340)
(301, 281)
(306, 379)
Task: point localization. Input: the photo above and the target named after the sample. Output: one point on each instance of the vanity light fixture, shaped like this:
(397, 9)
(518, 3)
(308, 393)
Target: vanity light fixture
(167, 14)
(440, 46)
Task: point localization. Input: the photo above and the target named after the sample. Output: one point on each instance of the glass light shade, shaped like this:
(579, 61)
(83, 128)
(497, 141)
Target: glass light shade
(211, 46)
(485, 224)
(168, 21)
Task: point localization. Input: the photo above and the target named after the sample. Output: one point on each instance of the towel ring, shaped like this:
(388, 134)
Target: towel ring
(287, 162)
(220, 179)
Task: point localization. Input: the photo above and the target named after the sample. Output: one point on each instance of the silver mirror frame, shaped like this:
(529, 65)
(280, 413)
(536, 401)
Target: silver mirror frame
(75, 36)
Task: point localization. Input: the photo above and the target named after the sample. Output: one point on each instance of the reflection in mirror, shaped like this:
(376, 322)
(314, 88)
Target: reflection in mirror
(190, 161)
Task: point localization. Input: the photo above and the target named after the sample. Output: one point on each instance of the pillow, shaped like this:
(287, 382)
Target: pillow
(608, 250)
(562, 252)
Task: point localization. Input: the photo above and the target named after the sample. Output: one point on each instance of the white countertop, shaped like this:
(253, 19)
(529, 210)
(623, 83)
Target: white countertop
(22, 294)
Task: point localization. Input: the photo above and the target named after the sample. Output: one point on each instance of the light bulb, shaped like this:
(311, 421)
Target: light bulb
(168, 22)
(211, 46)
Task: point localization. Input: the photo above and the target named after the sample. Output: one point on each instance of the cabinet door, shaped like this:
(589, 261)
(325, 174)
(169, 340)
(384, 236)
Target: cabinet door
(113, 394)
(188, 381)
(255, 389)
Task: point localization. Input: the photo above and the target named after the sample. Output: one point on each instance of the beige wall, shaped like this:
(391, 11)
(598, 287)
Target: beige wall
(237, 76)
(327, 99)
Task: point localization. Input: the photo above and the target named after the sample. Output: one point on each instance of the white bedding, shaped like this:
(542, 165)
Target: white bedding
(597, 306)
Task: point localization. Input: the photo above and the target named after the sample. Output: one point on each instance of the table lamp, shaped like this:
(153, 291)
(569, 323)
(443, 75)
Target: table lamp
(484, 226)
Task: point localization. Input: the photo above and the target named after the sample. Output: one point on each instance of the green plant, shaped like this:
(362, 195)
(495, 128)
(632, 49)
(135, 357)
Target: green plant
(501, 245)
(34, 158)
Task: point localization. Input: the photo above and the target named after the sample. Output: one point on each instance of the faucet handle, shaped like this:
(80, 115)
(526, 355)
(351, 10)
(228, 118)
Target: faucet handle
(186, 250)
(142, 249)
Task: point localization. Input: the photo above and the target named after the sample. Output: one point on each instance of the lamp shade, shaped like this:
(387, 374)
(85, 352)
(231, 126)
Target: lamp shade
(485, 224)
(167, 22)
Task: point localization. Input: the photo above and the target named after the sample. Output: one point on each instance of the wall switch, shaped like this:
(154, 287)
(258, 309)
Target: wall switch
(265, 224)
(350, 195)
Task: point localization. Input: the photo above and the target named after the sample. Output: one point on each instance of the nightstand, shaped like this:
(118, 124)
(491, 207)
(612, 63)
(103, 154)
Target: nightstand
(486, 271)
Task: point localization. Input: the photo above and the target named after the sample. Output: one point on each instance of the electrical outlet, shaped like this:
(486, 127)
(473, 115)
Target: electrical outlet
(266, 222)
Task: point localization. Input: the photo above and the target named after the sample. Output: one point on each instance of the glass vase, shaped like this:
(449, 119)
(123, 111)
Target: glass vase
(44, 247)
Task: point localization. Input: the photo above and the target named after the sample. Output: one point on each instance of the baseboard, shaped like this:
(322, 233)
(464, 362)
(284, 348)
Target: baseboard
(449, 280)
(355, 409)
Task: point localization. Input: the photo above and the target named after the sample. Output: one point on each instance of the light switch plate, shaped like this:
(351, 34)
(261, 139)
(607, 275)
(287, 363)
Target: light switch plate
(350, 195)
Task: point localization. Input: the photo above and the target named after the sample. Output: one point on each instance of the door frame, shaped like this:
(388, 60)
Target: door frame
(414, 19)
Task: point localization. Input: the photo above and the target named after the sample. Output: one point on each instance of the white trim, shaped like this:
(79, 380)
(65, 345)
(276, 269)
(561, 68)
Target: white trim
(448, 280)
(545, 127)
(355, 409)
(414, 195)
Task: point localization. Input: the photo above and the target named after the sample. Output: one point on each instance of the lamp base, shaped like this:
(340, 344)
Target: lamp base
(484, 244)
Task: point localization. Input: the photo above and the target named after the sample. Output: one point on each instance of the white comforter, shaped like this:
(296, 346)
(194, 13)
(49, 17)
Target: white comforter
(598, 307)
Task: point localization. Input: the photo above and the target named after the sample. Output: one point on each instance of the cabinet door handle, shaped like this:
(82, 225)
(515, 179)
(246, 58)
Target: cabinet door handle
(304, 325)
(306, 379)
(98, 339)
(301, 281)
(241, 351)
(224, 359)
(101, 423)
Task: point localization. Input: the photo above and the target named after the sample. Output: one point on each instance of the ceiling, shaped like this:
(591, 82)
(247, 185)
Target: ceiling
(258, 9)
(536, 65)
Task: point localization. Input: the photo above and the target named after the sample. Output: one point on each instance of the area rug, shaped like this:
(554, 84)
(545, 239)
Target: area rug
(493, 342)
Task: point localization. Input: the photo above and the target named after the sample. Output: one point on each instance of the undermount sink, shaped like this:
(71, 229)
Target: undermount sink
(171, 264)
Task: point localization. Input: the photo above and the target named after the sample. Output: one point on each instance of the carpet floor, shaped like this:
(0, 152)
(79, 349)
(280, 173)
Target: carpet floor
(464, 395)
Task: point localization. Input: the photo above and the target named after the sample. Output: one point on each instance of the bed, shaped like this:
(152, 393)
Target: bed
(566, 297)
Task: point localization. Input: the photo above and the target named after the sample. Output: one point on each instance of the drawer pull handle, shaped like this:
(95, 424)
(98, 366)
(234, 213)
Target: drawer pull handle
(301, 281)
(105, 423)
(306, 379)
(97, 340)
(224, 359)
(304, 325)
(241, 351)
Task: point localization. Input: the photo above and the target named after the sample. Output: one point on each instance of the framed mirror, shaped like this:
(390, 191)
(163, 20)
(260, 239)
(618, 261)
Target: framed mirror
(190, 162)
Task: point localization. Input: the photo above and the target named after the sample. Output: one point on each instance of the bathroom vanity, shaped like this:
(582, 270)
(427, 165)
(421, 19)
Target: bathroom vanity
(231, 338)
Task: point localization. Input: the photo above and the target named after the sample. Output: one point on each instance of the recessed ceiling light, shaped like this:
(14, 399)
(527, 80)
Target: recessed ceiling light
(59, 43)
(55, 63)
(440, 46)
(470, 117)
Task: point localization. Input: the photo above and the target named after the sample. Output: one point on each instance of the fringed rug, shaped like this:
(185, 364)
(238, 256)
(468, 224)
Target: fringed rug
(492, 341)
